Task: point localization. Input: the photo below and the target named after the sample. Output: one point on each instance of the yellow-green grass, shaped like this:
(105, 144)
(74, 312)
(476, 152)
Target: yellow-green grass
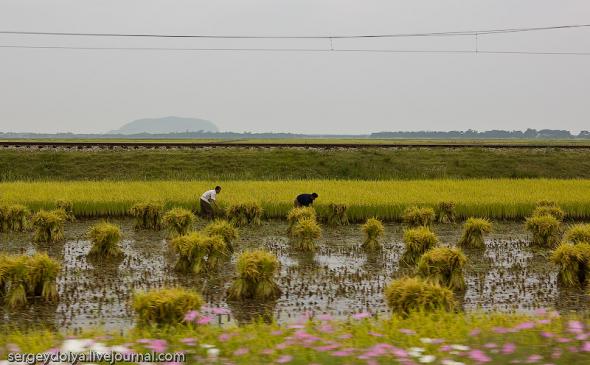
(386, 200)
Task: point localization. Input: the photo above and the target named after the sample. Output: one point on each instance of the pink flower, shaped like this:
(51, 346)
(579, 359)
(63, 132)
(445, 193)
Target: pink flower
(190, 316)
(224, 337)
(361, 315)
(534, 358)
(375, 334)
(219, 311)
(547, 334)
(241, 351)
(586, 346)
(325, 317)
(276, 333)
(474, 332)
(204, 320)
(525, 326)
(575, 327)
(158, 345)
(406, 331)
(479, 356)
(508, 348)
(284, 359)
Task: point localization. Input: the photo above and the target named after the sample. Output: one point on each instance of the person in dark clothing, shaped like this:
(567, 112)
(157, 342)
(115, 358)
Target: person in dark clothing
(305, 200)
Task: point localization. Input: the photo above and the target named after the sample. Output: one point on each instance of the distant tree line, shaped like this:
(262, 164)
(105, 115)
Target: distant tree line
(492, 134)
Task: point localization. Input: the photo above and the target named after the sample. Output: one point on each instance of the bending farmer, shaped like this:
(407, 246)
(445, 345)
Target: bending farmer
(208, 205)
(305, 200)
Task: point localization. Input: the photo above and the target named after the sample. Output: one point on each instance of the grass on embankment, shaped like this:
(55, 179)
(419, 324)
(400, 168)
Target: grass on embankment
(387, 200)
(283, 163)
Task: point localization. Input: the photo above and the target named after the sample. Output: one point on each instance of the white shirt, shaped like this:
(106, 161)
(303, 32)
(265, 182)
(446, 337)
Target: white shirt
(209, 195)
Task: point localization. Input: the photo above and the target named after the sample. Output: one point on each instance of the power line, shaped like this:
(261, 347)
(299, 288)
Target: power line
(394, 35)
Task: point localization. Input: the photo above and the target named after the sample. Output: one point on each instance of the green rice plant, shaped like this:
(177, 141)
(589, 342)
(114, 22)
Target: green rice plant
(546, 203)
(105, 238)
(337, 214)
(298, 213)
(13, 217)
(256, 270)
(417, 241)
(445, 212)
(573, 261)
(68, 208)
(147, 215)
(225, 230)
(419, 216)
(198, 253)
(165, 307)
(244, 214)
(42, 277)
(545, 229)
(304, 233)
(49, 226)
(178, 221)
(407, 295)
(578, 233)
(473, 232)
(443, 266)
(552, 210)
(373, 230)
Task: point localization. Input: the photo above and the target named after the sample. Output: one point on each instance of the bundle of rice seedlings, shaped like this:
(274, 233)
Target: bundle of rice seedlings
(256, 271)
(419, 216)
(578, 233)
(147, 215)
(546, 203)
(198, 252)
(105, 238)
(49, 226)
(42, 276)
(304, 233)
(68, 208)
(417, 242)
(178, 221)
(373, 230)
(13, 217)
(167, 306)
(296, 214)
(337, 214)
(573, 261)
(552, 210)
(473, 232)
(225, 230)
(445, 212)
(443, 266)
(245, 213)
(407, 295)
(15, 273)
(545, 229)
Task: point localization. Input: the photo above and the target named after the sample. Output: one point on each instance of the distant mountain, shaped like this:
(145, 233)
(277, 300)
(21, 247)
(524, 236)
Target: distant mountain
(166, 125)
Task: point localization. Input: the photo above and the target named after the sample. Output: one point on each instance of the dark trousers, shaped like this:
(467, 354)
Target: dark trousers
(206, 209)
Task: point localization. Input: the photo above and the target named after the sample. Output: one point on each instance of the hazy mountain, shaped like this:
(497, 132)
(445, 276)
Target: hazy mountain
(166, 125)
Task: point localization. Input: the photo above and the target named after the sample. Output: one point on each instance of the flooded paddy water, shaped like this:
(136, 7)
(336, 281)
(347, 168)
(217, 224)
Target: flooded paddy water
(340, 279)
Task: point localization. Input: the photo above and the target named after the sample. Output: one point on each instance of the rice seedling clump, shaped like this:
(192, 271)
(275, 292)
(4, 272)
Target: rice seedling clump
(337, 215)
(443, 266)
(255, 277)
(198, 252)
(373, 230)
(417, 241)
(407, 295)
(305, 232)
(225, 230)
(419, 216)
(105, 238)
(68, 208)
(573, 261)
(245, 214)
(49, 226)
(474, 230)
(13, 217)
(296, 214)
(178, 221)
(545, 229)
(578, 233)
(147, 215)
(167, 306)
(445, 212)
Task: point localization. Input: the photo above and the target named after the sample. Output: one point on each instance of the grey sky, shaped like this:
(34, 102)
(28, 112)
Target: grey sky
(96, 91)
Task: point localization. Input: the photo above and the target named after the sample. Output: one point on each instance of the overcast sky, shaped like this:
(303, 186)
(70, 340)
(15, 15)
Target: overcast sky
(96, 91)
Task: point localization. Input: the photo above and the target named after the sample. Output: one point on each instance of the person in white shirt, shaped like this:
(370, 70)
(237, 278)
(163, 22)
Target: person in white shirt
(208, 205)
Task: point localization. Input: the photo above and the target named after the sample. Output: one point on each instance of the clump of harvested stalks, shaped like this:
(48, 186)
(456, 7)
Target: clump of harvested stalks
(419, 216)
(417, 242)
(49, 226)
(198, 252)
(68, 208)
(337, 214)
(304, 233)
(178, 221)
(225, 230)
(443, 266)
(407, 295)
(578, 233)
(573, 261)
(445, 212)
(545, 229)
(256, 271)
(373, 230)
(105, 238)
(473, 232)
(147, 215)
(43, 272)
(13, 217)
(245, 214)
(552, 210)
(167, 306)
(296, 214)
